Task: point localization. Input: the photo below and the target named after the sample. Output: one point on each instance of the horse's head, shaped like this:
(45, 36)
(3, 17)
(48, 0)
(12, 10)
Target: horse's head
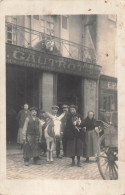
(56, 123)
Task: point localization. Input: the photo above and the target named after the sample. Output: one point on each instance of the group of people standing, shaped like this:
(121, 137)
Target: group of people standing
(79, 136)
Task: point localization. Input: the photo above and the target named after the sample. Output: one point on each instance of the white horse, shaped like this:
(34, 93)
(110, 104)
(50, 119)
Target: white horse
(51, 132)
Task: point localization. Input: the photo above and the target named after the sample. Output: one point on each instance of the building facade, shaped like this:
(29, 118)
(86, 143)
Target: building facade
(54, 59)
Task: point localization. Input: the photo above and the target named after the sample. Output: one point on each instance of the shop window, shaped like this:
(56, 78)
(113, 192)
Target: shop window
(64, 22)
(109, 103)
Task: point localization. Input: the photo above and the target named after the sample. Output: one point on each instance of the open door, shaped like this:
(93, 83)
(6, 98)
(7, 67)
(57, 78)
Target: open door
(69, 90)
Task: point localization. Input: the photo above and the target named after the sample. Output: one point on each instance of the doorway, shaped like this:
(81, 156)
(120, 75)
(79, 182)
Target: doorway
(22, 86)
(69, 91)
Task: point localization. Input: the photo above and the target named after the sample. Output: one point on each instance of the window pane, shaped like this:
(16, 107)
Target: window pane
(14, 37)
(9, 41)
(14, 19)
(36, 17)
(49, 24)
(42, 23)
(9, 28)
(52, 32)
(48, 31)
(64, 22)
(9, 35)
(52, 26)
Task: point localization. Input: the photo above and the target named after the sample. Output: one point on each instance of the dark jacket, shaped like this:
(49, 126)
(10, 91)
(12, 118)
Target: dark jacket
(33, 126)
(72, 130)
(75, 135)
(63, 123)
(90, 124)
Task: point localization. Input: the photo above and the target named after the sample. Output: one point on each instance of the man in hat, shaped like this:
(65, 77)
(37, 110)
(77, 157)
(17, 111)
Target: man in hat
(65, 109)
(55, 109)
(32, 132)
(74, 135)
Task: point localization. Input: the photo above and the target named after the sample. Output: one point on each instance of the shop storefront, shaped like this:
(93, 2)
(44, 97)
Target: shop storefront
(107, 95)
(43, 79)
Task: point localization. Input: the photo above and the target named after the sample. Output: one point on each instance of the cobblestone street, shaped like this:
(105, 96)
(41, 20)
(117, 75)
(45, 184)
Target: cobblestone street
(59, 170)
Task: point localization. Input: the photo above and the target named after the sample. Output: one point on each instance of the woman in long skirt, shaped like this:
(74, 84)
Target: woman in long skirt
(22, 115)
(92, 136)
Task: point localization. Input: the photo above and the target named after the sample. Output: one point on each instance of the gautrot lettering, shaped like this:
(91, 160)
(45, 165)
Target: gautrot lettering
(40, 60)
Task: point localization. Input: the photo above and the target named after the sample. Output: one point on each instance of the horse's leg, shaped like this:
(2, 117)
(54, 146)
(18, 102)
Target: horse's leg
(48, 150)
(51, 151)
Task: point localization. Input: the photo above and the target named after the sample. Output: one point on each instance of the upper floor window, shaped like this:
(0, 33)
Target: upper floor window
(36, 17)
(112, 17)
(50, 28)
(64, 22)
(43, 24)
(11, 19)
(11, 30)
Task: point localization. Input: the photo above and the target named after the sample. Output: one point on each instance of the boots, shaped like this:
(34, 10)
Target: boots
(73, 161)
(26, 161)
(87, 160)
(78, 161)
(37, 160)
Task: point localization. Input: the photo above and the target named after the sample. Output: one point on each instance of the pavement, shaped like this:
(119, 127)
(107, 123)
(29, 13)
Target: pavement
(60, 169)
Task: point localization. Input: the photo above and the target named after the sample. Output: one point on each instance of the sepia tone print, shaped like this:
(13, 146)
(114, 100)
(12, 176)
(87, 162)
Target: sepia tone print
(61, 97)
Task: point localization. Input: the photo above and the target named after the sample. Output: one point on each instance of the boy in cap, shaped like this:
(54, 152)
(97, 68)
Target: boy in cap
(55, 109)
(32, 133)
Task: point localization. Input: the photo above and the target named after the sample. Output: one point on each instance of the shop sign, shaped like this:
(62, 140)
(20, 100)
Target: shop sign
(109, 85)
(40, 60)
(112, 85)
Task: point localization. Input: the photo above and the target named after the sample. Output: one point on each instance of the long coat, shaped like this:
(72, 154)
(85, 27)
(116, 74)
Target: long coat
(74, 135)
(22, 116)
(91, 138)
(21, 119)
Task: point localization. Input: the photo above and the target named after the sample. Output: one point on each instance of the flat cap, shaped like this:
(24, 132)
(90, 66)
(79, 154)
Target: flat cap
(65, 106)
(41, 111)
(55, 106)
(73, 106)
(33, 108)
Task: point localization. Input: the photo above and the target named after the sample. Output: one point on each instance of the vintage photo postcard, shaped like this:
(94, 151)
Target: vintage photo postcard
(62, 95)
